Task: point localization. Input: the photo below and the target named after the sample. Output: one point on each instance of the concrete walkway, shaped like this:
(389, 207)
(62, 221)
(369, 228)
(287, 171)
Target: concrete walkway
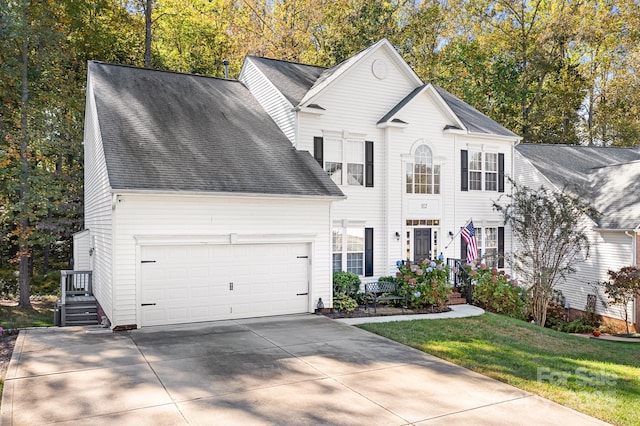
(289, 370)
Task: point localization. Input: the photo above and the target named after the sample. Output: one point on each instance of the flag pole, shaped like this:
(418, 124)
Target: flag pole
(457, 233)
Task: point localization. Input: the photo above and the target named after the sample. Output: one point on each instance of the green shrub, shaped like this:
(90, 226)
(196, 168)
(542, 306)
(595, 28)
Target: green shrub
(346, 283)
(494, 291)
(555, 312)
(8, 283)
(388, 279)
(46, 284)
(578, 325)
(344, 303)
(425, 283)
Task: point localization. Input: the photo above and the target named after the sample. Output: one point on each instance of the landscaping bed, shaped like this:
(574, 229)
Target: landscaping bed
(383, 311)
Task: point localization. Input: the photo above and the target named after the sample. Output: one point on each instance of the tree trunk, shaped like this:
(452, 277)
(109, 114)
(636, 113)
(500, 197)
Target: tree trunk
(24, 301)
(147, 36)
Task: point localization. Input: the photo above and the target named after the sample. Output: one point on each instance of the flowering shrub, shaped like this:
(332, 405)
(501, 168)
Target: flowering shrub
(495, 291)
(346, 286)
(425, 283)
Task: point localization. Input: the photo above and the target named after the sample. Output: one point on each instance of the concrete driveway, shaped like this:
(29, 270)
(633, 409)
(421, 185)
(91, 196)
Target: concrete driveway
(301, 369)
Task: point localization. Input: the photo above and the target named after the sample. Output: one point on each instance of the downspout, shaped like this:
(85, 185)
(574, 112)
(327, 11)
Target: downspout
(634, 261)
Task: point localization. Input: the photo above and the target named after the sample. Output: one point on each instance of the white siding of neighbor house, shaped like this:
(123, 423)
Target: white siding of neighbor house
(97, 209)
(609, 250)
(353, 105)
(81, 246)
(276, 105)
(210, 219)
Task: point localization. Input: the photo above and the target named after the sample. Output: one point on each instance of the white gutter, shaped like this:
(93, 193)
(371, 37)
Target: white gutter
(116, 192)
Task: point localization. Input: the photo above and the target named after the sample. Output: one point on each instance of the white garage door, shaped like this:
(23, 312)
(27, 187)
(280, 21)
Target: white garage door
(182, 284)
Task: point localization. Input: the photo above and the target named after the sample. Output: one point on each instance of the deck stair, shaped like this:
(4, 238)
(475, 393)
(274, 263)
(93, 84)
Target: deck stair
(77, 305)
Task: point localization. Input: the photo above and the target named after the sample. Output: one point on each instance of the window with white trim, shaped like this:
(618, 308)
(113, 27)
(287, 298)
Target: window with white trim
(491, 171)
(355, 162)
(475, 171)
(482, 171)
(352, 250)
(336, 251)
(333, 159)
(355, 250)
(423, 177)
(487, 239)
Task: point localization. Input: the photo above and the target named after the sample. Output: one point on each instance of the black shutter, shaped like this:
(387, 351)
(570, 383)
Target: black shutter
(464, 170)
(368, 164)
(463, 249)
(501, 247)
(318, 150)
(500, 172)
(368, 252)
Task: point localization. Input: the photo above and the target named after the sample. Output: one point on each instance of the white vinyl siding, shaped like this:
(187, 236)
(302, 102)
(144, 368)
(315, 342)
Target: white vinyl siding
(276, 105)
(183, 219)
(609, 250)
(81, 246)
(97, 208)
(352, 107)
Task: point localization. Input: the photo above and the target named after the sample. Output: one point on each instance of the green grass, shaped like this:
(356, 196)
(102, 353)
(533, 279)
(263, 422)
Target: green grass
(40, 315)
(596, 377)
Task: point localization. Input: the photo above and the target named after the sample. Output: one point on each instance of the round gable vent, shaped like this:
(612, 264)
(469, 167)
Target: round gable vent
(379, 69)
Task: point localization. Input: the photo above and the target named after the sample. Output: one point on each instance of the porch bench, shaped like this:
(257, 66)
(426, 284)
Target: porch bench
(382, 291)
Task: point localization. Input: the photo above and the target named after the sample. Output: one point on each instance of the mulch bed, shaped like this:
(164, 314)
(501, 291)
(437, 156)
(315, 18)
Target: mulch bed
(384, 311)
(7, 342)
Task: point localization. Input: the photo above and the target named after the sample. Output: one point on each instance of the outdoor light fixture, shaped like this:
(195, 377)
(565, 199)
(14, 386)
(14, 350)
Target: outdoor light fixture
(320, 304)
(397, 236)
(451, 233)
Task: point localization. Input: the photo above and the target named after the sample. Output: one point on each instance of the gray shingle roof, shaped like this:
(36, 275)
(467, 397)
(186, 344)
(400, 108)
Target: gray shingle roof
(608, 176)
(293, 80)
(180, 132)
(473, 120)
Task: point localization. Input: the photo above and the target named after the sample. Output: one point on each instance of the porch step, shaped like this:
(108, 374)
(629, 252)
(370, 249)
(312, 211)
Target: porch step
(456, 298)
(81, 312)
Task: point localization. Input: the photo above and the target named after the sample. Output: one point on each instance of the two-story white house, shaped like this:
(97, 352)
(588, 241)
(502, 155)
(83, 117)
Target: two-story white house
(415, 162)
(211, 198)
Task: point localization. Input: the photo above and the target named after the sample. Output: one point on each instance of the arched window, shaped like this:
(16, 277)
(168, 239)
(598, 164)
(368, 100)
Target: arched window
(423, 177)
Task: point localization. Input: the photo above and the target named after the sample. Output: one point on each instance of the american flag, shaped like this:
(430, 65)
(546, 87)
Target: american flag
(469, 235)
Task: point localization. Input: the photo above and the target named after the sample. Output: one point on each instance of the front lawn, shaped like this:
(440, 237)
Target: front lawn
(598, 378)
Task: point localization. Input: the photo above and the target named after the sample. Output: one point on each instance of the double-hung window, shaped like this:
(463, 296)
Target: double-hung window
(475, 171)
(490, 242)
(355, 162)
(482, 171)
(352, 250)
(491, 171)
(346, 161)
(333, 159)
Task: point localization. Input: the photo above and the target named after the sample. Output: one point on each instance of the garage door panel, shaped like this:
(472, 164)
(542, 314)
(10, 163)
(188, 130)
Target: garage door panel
(192, 283)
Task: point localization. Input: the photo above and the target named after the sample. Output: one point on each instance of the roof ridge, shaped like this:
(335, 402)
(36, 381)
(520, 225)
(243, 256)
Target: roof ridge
(287, 61)
(164, 71)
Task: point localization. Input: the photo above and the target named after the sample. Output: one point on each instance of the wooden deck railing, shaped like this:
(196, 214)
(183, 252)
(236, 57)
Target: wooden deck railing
(75, 283)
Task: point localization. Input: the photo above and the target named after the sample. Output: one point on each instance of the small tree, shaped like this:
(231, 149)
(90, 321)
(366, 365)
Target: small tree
(546, 227)
(623, 286)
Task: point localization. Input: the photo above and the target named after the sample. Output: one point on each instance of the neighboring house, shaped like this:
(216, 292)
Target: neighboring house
(210, 199)
(609, 178)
